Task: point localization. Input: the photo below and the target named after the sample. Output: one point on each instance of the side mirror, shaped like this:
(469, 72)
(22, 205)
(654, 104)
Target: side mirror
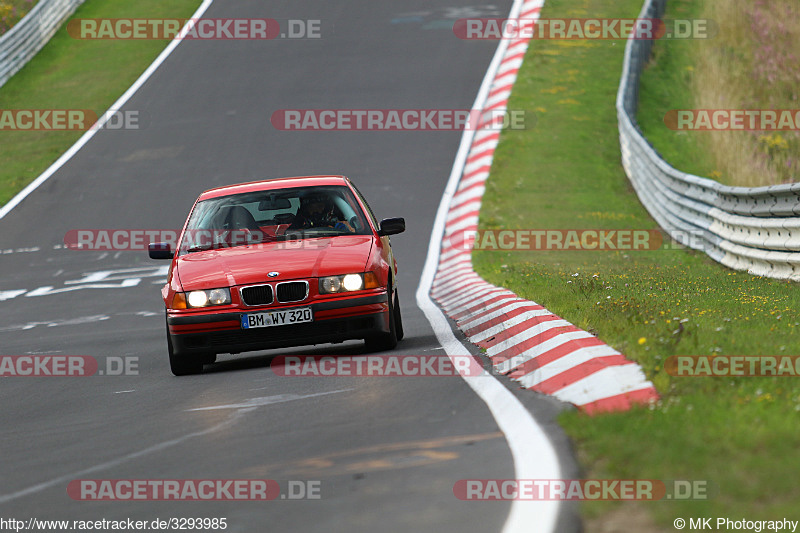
(160, 250)
(392, 226)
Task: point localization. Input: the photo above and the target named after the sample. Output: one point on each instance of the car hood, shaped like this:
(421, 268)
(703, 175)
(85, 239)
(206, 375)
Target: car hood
(244, 265)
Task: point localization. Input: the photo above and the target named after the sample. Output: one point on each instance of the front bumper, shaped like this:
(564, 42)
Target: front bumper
(334, 321)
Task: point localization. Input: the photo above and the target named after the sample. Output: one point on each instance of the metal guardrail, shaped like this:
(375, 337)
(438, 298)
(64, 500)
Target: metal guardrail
(756, 229)
(19, 44)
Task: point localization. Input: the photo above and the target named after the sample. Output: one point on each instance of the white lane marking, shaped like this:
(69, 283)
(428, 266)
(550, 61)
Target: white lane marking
(568, 362)
(606, 383)
(20, 250)
(534, 312)
(75, 148)
(121, 274)
(49, 289)
(267, 400)
(90, 281)
(91, 277)
(492, 331)
(533, 453)
(55, 323)
(229, 421)
(75, 321)
(10, 295)
(145, 313)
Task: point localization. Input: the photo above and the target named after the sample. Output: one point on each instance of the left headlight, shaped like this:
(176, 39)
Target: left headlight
(208, 297)
(348, 283)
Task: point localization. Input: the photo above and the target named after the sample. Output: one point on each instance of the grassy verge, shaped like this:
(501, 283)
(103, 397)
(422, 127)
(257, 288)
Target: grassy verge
(74, 74)
(737, 433)
(12, 11)
(748, 64)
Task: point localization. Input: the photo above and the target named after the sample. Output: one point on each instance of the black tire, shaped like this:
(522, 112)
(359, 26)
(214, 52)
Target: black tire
(182, 365)
(385, 341)
(398, 319)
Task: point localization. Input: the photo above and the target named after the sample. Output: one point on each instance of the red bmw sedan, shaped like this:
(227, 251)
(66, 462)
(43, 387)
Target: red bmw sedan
(277, 263)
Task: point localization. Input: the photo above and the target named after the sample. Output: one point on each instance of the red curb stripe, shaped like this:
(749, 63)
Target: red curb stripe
(492, 137)
(578, 372)
(556, 353)
(504, 317)
(468, 312)
(621, 402)
(528, 343)
(467, 299)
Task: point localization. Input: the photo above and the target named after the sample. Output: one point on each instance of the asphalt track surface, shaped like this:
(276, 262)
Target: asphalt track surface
(385, 451)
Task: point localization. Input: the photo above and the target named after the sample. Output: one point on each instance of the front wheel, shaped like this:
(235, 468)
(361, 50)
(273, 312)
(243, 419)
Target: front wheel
(180, 364)
(398, 319)
(388, 341)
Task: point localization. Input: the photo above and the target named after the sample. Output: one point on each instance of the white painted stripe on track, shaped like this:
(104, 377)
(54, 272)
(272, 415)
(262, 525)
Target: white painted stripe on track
(528, 316)
(465, 223)
(455, 263)
(562, 364)
(507, 308)
(475, 192)
(608, 382)
(497, 291)
(464, 298)
(532, 451)
(86, 137)
(503, 299)
(228, 421)
(461, 295)
(465, 209)
(539, 349)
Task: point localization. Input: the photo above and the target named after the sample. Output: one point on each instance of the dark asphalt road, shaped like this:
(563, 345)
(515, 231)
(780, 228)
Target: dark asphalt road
(386, 451)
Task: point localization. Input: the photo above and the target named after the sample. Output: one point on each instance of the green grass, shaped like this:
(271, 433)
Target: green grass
(12, 11)
(666, 85)
(75, 74)
(727, 71)
(565, 173)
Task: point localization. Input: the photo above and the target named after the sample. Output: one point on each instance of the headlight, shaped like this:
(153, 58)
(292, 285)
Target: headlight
(208, 297)
(331, 284)
(352, 282)
(348, 282)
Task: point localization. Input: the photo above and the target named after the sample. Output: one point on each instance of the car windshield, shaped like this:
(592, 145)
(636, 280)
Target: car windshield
(273, 215)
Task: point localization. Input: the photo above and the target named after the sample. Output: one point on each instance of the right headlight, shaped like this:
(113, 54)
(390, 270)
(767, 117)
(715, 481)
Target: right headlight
(348, 283)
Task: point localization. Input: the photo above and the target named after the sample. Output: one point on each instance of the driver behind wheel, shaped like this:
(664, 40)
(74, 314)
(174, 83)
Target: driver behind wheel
(316, 211)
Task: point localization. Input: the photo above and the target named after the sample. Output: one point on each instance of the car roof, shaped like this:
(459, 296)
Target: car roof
(273, 184)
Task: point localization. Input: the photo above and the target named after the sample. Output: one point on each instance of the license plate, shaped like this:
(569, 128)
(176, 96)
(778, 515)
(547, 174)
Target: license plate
(277, 318)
